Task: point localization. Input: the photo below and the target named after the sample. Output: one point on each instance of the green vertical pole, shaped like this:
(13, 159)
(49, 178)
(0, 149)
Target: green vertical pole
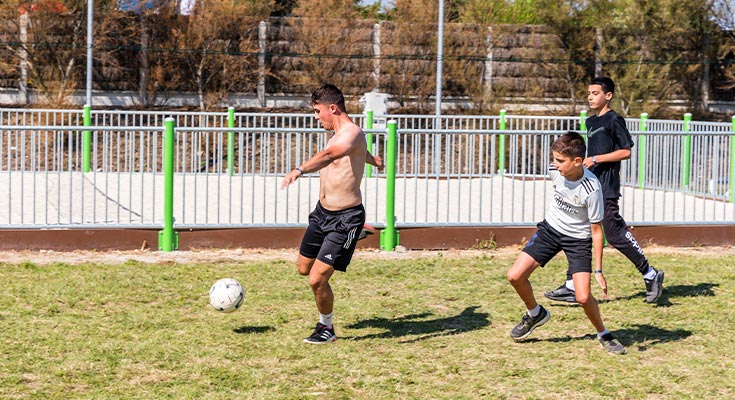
(501, 144)
(369, 139)
(389, 236)
(168, 239)
(87, 140)
(230, 141)
(686, 153)
(583, 123)
(642, 151)
(732, 163)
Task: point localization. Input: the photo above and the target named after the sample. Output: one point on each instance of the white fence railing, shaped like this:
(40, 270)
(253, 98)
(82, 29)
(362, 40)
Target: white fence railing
(473, 170)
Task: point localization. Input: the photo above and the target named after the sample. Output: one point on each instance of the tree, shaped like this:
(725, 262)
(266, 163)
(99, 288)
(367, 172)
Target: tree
(657, 50)
(725, 71)
(410, 52)
(570, 49)
(51, 49)
(213, 51)
(696, 33)
(329, 35)
(489, 12)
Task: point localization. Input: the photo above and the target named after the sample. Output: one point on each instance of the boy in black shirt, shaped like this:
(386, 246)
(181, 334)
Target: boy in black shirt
(609, 142)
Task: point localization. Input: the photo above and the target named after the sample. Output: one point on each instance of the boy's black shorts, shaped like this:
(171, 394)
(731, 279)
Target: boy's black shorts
(332, 235)
(548, 242)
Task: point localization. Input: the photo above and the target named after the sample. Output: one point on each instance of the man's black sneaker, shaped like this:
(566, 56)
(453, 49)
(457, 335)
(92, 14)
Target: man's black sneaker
(528, 324)
(562, 293)
(321, 335)
(611, 345)
(654, 287)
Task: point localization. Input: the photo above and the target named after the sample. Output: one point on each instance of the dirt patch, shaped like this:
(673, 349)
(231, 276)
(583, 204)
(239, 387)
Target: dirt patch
(249, 255)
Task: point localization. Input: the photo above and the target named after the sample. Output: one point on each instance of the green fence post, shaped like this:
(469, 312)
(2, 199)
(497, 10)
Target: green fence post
(230, 141)
(732, 163)
(369, 139)
(583, 123)
(389, 237)
(686, 153)
(501, 144)
(87, 140)
(642, 151)
(168, 239)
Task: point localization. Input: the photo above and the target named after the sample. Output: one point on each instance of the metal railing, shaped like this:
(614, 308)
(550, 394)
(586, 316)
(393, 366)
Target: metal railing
(474, 170)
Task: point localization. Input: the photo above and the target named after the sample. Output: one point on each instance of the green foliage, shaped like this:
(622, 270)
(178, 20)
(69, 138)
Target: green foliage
(654, 50)
(487, 12)
(409, 326)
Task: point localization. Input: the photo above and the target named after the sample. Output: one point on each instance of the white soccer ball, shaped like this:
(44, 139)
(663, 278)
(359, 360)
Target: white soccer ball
(226, 295)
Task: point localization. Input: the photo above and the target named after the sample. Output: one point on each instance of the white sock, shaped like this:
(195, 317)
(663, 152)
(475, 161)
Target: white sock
(326, 319)
(570, 284)
(601, 334)
(650, 274)
(534, 312)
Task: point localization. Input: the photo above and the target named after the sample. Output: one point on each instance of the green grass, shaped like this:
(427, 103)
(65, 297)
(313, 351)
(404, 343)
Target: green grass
(420, 328)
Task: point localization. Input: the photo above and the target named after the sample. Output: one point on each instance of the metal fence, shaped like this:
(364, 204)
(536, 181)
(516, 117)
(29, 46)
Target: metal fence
(452, 171)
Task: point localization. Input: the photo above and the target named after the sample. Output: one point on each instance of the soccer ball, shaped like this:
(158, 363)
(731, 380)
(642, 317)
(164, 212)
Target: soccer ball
(226, 295)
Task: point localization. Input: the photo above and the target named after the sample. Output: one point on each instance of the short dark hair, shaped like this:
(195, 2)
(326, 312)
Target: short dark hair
(607, 84)
(570, 144)
(328, 94)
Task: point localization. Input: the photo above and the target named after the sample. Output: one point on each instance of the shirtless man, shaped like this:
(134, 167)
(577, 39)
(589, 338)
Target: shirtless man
(339, 215)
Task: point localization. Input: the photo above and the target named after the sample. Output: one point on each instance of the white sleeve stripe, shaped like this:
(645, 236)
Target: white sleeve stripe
(588, 186)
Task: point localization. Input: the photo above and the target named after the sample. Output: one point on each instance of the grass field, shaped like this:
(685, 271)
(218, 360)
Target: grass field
(429, 327)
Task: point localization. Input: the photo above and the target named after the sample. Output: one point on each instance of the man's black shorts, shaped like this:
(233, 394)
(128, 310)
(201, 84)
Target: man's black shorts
(548, 242)
(332, 235)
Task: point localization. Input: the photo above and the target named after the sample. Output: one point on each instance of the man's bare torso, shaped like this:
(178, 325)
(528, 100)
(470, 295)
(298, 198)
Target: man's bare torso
(340, 180)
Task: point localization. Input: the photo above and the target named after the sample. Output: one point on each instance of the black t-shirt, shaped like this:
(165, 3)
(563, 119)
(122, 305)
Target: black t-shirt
(605, 134)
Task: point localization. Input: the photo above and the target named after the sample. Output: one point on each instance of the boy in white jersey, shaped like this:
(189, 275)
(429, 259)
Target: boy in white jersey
(572, 224)
(608, 143)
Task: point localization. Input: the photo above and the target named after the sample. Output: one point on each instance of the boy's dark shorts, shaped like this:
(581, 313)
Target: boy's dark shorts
(332, 235)
(548, 242)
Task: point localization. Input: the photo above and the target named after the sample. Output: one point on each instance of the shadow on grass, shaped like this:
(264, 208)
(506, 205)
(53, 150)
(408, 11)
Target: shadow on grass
(698, 290)
(254, 329)
(418, 324)
(643, 336)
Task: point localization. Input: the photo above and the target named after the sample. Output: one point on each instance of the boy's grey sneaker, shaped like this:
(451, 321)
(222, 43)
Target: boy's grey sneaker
(562, 293)
(322, 334)
(654, 287)
(611, 345)
(528, 324)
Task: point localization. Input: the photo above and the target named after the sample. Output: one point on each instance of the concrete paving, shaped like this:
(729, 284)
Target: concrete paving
(68, 200)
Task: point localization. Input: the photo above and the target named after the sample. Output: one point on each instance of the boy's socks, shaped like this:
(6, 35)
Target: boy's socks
(534, 312)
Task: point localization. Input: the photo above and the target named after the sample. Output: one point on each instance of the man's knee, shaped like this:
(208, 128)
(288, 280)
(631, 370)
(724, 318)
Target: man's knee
(303, 265)
(319, 274)
(317, 281)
